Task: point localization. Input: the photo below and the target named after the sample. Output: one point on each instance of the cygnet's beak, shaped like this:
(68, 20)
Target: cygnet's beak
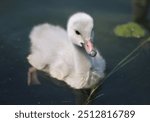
(88, 45)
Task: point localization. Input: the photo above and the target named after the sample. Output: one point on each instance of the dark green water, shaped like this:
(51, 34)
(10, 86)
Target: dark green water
(130, 85)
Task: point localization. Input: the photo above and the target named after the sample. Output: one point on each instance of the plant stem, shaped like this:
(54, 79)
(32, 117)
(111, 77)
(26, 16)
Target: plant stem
(120, 65)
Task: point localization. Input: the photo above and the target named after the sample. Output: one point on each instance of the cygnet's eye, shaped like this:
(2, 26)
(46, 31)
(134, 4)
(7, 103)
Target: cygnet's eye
(77, 32)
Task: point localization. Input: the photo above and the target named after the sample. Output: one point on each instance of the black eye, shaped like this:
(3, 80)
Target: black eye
(77, 32)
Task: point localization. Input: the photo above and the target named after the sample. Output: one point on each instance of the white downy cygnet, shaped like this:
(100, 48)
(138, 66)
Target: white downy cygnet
(69, 55)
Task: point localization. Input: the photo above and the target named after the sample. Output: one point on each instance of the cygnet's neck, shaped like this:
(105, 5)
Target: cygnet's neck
(82, 60)
(80, 49)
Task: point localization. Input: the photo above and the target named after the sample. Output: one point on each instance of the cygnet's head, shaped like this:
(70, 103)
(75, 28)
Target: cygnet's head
(80, 31)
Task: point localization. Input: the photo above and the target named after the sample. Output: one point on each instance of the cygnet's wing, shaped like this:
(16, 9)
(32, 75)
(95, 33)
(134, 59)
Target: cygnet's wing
(47, 41)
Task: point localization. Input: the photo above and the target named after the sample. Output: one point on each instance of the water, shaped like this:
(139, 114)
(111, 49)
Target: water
(130, 85)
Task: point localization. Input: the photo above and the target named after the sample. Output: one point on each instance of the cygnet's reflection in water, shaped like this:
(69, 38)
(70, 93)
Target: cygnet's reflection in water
(79, 96)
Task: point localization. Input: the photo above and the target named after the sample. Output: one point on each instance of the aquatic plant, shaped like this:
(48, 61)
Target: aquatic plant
(127, 59)
(130, 29)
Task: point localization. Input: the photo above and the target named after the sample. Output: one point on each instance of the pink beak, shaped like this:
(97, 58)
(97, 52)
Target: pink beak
(90, 48)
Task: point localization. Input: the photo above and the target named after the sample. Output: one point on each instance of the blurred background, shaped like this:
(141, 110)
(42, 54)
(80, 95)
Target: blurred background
(129, 85)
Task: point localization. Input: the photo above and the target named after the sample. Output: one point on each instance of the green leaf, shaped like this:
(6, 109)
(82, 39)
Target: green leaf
(130, 29)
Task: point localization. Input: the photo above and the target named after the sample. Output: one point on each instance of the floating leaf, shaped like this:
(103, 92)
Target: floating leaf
(130, 29)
